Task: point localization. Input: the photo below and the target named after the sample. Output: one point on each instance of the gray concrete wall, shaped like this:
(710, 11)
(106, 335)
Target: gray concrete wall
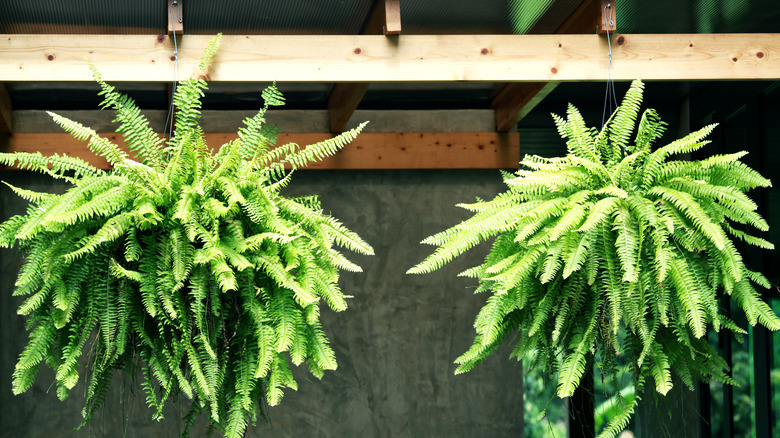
(395, 344)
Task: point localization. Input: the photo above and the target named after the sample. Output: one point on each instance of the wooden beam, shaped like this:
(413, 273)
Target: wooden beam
(174, 14)
(342, 103)
(6, 120)
(384, 19)
(344, 98)
(516, 100)
(406, 58)
(392, 17)
(608, 18)
(461, 150)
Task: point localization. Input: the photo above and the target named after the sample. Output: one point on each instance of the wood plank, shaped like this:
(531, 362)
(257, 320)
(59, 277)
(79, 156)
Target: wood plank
(384, 19)
(475, 150)
(174, 14)
(6, 119)
(288, 120)
(406, 58)
(608, 17)
(392, 17)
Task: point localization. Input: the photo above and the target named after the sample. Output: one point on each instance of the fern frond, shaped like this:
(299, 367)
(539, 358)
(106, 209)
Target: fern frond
(55, 165)
(613, 252)
(99, 145)
(188, 265)
(138, 135)
(277, 159)
(573, 366)
(622, 122)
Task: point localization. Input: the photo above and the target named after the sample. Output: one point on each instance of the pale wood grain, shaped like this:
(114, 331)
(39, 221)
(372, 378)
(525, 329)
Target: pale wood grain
(375, 58)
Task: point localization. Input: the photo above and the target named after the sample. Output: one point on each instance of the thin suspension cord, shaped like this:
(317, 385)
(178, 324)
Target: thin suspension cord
(610, 96)
(169, 120)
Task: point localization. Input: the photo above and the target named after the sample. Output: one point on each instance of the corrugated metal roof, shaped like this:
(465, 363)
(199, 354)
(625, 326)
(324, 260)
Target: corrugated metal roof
(283, 17)
(348, 16)
(698, 16)
(455, 17)
(83, 17)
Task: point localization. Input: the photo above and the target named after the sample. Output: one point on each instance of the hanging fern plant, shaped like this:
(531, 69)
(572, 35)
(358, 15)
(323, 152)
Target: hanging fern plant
(614, 253)
(187, 265)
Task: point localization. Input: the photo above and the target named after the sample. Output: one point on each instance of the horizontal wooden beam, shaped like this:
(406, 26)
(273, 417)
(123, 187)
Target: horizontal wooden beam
(406, 58)
(460, 150)
(289, 121)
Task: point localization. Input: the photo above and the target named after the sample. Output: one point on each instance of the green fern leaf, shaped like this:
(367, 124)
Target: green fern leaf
(613, 254)
(187, 265)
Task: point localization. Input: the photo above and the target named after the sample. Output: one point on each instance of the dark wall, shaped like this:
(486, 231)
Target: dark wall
(395, 343)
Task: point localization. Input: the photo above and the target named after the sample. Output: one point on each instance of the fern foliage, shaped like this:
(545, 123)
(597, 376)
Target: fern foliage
(615, 253)
(187, 265)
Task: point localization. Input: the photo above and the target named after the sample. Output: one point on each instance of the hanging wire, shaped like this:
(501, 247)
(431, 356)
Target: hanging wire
(169, 119)
(610, 96)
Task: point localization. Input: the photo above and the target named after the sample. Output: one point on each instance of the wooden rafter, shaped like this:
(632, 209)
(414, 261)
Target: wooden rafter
(384, 19)
(343, 101)
(175, 26)
(344, 98)
(6, 125)
(408, 58)
(461, 150)
(516, 100)
(608, 18)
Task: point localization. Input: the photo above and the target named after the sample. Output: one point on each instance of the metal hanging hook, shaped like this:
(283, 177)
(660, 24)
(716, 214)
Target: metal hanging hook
(178, 13)
(178, 10)
(610, 22)
(610, 98)
(608, 6)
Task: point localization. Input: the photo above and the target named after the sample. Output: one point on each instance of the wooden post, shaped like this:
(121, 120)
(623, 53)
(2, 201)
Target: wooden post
(174, 14)
(607, 18)
(392, 17)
